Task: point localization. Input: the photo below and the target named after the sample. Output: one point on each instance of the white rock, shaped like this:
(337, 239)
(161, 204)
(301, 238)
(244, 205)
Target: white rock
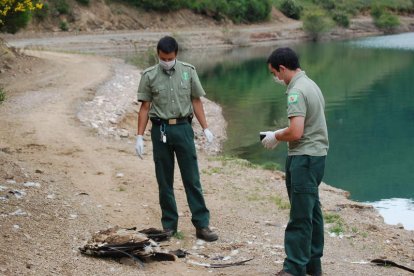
(18, 212)
(31, 184)
(200, 242)
(234, 252)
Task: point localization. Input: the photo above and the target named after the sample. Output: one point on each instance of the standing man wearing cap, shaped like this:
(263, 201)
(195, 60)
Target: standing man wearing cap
(308, 146)
(170, 93)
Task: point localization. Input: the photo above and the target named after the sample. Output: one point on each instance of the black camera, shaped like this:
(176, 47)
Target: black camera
(262, 136)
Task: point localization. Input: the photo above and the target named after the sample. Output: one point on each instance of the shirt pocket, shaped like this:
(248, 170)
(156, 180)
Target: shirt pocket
(160, 95)
(184, 91)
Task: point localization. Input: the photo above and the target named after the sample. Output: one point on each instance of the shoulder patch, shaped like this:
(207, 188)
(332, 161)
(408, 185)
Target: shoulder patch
(187, 64)
(293, 98)
(149, 69)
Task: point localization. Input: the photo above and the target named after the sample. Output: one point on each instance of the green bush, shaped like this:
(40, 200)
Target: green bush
(315, 23)
(160, 5)
(61, 6)
(83, 2)
(236, 10)
(377, 11)
(341, 19)
(384, 19)
(291, 9)
(2, 95)
(326, 4)
(258, 10)
(14, 21)
(216, 9)
(64, 26)
(387, 22)
(43, 13)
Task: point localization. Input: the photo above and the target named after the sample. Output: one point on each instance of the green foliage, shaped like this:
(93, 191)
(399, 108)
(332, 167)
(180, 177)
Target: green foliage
(383, 18)
(337, 229)
(2, 95)
(257, 10)
(216, 9)
(43, 13)
(83, 2)
(236, 10)
(341, 18)
(160, 5)
(340, 10)
(272, 166)
(61, 6)
(337, 221)
(63, 25)
(315, 23)
(179, 235)
(291, 9)
(387, 22)
(280, 203)
(14, 21)
(377, 11)
(248, 10)
(326, 4)
(331, 218)
(144, 59)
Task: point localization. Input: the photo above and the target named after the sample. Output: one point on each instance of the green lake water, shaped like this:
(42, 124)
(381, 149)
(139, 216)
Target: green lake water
(368, 88)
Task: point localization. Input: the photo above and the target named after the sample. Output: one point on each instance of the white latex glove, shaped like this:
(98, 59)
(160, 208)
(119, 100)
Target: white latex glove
(209, 135)
(270, 141)
(139, 146)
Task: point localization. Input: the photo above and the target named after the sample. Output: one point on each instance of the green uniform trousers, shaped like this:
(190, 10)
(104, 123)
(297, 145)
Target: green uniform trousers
(180, 141)
(304, 238)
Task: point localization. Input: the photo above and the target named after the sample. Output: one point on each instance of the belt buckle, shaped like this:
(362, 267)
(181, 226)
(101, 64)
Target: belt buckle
(172, 121)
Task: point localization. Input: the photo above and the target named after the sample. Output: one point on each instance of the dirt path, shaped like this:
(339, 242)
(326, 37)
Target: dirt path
(60, 181)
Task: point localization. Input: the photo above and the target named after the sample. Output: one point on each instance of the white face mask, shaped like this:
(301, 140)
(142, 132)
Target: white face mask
(279, 81)
(167, 65)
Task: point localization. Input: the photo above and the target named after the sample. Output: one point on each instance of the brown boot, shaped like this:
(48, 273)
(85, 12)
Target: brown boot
(206, 234)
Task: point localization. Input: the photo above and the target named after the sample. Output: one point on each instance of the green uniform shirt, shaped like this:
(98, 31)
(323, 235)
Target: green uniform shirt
(170, 92)
(304, 98)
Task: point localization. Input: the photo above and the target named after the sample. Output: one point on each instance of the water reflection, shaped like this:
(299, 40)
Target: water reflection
(405, 207)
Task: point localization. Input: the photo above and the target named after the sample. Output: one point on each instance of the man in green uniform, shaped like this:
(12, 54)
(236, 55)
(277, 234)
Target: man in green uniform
(170, 93)
(308, 146)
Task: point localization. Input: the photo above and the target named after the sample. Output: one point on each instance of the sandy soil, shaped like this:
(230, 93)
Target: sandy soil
(61, 180)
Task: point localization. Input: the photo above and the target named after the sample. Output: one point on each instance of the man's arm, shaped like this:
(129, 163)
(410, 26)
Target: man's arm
(199, 112)
(294, 131)
(143, 117)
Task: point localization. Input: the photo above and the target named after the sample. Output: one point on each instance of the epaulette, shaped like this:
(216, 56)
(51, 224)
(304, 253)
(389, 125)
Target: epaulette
(188, 64)
(149, 69)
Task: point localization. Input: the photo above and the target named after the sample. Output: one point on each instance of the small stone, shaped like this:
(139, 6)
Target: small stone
(31, 184)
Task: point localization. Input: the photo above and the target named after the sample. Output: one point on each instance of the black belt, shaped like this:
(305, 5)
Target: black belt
(175, 121)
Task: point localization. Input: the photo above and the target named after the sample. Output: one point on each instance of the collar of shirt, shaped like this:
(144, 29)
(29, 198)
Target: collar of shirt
(294, 79)
(169, 72)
